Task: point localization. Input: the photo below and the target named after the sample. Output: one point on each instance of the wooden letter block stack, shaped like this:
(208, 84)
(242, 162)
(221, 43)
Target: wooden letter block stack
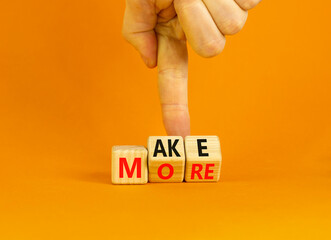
(168, 159)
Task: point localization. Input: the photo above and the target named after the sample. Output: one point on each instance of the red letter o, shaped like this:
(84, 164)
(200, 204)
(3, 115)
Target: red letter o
(171, 168)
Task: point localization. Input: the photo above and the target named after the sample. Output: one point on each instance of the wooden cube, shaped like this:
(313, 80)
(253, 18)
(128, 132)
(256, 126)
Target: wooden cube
(203, 159)
(166, 159)
(129, 165)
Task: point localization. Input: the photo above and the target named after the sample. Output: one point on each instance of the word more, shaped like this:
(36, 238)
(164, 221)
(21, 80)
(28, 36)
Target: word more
(168, 159)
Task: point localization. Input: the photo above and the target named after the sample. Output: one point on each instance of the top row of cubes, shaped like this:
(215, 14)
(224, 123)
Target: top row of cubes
(168, 160)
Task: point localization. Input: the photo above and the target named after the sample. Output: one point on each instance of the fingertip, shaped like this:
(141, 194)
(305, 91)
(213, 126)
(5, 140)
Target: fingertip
(212, 48)
(176, 120)
(150, 62)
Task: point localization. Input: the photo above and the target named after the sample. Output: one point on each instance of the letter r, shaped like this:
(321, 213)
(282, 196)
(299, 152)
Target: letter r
(197, 172)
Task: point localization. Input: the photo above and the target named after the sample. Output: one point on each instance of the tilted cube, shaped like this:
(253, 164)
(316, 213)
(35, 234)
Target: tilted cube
(166, 159)
(203, 159)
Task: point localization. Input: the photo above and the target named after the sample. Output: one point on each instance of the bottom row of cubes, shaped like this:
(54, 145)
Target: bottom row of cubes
(168, 159)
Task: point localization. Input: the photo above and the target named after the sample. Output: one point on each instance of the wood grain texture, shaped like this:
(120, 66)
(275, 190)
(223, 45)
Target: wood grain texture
(130, 153)
(162, 161)
(202, 153)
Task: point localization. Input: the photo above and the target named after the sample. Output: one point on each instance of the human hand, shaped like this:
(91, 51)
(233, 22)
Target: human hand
(158, 29)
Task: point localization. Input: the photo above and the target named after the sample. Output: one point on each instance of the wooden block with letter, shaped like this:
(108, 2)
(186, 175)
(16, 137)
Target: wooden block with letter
(129, 165)
(203, 159)
(166, 159)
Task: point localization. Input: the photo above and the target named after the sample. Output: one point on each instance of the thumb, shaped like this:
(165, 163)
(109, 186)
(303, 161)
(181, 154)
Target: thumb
(172, 79)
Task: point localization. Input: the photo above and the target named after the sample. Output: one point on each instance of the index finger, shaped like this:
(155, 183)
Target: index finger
(172, 81)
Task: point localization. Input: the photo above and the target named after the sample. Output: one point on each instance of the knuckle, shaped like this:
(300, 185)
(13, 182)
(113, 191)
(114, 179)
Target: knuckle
(172, 73)
(125, 34)
(212, 48)
(183, 5)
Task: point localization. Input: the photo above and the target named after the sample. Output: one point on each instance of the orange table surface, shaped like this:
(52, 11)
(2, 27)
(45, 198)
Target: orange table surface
(71, 88)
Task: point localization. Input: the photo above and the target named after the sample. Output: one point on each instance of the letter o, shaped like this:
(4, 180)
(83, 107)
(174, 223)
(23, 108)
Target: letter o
(159, 171)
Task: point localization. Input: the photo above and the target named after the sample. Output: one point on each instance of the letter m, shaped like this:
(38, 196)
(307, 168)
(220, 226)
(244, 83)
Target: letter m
(124, 163)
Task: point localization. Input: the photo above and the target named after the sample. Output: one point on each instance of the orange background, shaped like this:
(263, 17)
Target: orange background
(71, 87)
